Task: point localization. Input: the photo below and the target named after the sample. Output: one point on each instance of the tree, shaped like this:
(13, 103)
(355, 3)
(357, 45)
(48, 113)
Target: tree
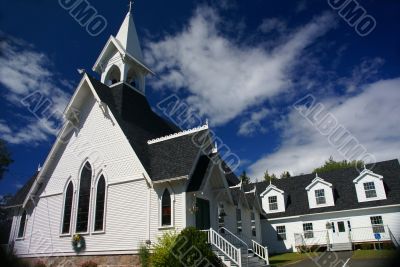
(285, 174)
(5, 219)
(331, 165)
(5, 158)
(244, 178)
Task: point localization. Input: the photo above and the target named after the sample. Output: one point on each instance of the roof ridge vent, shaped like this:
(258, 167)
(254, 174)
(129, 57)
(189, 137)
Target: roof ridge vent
(178, 134)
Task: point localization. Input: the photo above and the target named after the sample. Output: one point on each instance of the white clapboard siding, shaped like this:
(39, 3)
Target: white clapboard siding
(102, 142)
(358, 218)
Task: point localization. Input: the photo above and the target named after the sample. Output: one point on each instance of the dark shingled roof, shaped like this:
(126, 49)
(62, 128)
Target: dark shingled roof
(162, 160)
(344, 191)
(204, 166)
(19, 197)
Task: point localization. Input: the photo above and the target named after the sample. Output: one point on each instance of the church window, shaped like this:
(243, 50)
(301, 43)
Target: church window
(84, 199)
(100, 201)
(22, 224)
(166, 208)
(69, 195)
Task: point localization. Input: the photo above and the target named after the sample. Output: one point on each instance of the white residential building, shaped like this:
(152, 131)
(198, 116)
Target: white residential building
(334, 210)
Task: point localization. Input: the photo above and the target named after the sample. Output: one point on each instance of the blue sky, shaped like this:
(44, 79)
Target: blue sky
(241, 64)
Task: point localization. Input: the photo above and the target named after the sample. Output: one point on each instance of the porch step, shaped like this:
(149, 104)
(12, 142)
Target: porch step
(341, 247)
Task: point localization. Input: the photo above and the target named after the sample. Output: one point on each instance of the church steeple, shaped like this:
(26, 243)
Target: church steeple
(121, 60)
(128, 37)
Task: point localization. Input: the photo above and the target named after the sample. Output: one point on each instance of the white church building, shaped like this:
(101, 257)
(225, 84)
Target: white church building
(119, 175)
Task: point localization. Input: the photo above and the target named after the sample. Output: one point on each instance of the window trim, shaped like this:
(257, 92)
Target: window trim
(309, 232)
(19, 225)
(172, 197)
(273, 203)
(71, 223)
(96, 183)
(279, 234)
(366, 191)
(317, 198)
(377, 224)
(90, 198)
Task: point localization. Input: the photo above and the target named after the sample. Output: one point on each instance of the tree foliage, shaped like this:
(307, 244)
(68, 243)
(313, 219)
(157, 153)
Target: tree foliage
(331, 165)
(189, 248)
(285, 174)
(5, 158)
(244, 178)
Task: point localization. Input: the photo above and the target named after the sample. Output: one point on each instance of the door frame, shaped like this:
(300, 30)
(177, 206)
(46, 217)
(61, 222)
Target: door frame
(345, 236)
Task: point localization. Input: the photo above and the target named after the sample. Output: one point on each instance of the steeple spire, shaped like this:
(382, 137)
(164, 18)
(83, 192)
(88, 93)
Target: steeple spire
(128, 37)
(130, 6)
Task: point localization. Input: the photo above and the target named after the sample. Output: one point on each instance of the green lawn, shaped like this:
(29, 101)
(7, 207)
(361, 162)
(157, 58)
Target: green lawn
(286, 258)
(373, 254)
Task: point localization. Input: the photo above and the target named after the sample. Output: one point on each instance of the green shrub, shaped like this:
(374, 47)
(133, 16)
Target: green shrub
(89, 264)
(189, 248)
(144, 255)
(162, 255)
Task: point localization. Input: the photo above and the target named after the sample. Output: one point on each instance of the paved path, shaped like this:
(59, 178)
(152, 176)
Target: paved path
(342, 259)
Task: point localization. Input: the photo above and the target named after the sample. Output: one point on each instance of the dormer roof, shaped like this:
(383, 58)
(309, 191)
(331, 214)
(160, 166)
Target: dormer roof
(317, 180)
(365, 172)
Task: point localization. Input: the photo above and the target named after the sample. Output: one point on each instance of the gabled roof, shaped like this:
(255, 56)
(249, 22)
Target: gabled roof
(344, 191)
(19, 197)
(204, 166)
(367, 172)
(168, 159)
(271, 187)
(317, 180)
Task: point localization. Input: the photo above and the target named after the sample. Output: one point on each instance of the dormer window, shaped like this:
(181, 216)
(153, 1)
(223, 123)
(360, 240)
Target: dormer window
(320, 196)
(370, 190)
(320, 193)
(273, 199)
(273, 203)
(369, 186)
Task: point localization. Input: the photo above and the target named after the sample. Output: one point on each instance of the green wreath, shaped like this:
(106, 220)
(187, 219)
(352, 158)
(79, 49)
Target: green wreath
(78, 242)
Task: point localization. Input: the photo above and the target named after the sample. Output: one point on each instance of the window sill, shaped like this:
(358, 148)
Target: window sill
(20, 239)
(166, 227)
(65, 235)
(98, 232)
(81, 233)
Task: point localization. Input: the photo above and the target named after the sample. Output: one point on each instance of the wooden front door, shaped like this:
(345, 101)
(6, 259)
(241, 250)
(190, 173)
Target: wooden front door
(203, 214)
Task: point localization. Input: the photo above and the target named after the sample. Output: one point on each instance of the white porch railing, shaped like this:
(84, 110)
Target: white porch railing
(225, 246)
(260, 251)
(367, 234)
(356, 235)
(311, 238)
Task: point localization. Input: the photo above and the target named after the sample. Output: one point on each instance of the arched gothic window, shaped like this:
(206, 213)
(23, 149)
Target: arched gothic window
(113, 76)
(166, 208)
(100, 203)
(84, 199)
(69, 196)
(22, 223)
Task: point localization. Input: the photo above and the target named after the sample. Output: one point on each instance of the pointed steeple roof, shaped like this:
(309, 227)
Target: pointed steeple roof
(128, 38)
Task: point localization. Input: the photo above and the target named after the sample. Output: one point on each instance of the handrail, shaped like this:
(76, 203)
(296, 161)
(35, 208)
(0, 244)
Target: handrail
(233, 235)
(260, 251)
(394, 240)
(238, 239)
(233, 253)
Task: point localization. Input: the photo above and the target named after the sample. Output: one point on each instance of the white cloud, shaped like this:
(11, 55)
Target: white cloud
(22, 72)
(371, 117)
(253, 124)
(223, 78)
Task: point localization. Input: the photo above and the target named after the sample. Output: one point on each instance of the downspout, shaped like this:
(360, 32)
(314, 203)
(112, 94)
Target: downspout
(148, 212)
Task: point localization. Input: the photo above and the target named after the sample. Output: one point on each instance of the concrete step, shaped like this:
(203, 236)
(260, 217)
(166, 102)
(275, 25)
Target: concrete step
(341, 246)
